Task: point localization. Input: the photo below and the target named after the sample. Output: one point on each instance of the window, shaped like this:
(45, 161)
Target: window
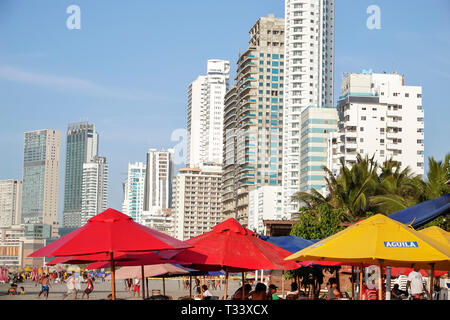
(363, 118)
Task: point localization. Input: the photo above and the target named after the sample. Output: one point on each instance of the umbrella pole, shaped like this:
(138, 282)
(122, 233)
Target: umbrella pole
(388, 283)
(282, 282)
(143, 286)
(164, 286)
(353, 284)
(226, 286)
(431, 281)
(361, 270)
(146, 286)
(113, 277)
(190, 287)
(380, 282)
(243, 282)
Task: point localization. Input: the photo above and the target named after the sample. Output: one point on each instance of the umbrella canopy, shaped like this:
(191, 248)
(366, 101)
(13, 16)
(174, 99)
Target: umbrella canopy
(28, 269)
(157, 270)
(110, 232)
(289, 243)
(438, 234)
(135, 259)
(379, 239)
(231, 247)
(151, 258)
(424, 212)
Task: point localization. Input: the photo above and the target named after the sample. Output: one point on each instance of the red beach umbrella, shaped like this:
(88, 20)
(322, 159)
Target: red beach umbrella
(233, 248)
(110, 232)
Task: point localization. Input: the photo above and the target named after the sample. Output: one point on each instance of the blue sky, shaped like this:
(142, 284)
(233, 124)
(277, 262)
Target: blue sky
(127, 70)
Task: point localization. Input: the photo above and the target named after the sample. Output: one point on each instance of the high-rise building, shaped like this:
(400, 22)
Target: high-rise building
(197, 201)
(309, 58)
(265, 203)
(94, 190)
(40, 183)
(81, 147)
(133, 200)
(10, 203)
(380, 116)
(205, 115)
(253, 119)
(316, 125)
(159, 179)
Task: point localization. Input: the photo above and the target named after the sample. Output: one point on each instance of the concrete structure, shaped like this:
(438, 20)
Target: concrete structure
(309, 58)
(265, 203)
(133, 201)
(253, 119)
(159, 179)
(10, 203)
(316, 125)
(205, 115)
(197, 201)
(81, 147)
(380, 115)
(94, 190)
(15, 247)
(40, 182)
(161, 220)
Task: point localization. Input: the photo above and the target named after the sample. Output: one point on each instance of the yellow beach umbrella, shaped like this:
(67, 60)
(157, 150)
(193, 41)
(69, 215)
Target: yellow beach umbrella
(438, 234)
(381, 241)
(28, 269)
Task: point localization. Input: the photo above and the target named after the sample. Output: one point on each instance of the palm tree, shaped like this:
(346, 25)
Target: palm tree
(438, 174)
(397, 189)
(350, 191)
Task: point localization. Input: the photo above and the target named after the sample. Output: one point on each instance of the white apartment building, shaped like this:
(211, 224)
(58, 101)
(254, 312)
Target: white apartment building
(317, 123)
(380, 115)
(161, 220)
(309, 76)
(10, 202)
(205, 115)
(265, 203)
(158, 179)
(197, 201)
(133, 200)
(94, 190)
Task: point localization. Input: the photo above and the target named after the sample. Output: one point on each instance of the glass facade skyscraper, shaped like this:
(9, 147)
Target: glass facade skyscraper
(81, 147)
(40, 182)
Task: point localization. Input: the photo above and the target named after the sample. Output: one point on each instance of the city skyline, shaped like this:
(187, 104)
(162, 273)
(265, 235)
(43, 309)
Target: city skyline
(96, 99)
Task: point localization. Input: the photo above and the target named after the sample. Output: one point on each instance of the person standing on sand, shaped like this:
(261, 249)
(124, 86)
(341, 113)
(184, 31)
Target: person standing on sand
(71, 287)
(45, 282)
(137, 287)
(89, 287)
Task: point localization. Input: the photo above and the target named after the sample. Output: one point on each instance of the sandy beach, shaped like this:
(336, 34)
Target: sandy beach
(174, 288)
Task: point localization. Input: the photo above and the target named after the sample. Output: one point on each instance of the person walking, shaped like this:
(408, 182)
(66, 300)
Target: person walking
(89, 287)
(45, 283)
(71, 288)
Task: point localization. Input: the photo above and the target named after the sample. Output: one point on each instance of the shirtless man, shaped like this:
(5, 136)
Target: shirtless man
(45, 282)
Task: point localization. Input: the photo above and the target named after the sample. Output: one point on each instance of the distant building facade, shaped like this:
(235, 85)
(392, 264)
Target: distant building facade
(10, 203)
(81, 148)
(197, 201)
(40, 183)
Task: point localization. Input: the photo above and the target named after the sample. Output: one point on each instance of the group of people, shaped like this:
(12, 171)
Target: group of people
(134, 286)
(259, 293)
(215, 284)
